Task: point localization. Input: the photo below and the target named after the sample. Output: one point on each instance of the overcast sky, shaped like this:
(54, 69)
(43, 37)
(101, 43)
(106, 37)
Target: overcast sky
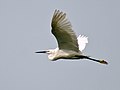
(25, 28)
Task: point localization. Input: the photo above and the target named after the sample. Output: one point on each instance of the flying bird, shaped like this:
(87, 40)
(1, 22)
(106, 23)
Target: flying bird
(69, 46)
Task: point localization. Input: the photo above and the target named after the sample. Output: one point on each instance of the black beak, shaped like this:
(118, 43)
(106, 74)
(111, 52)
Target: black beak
(41, 52)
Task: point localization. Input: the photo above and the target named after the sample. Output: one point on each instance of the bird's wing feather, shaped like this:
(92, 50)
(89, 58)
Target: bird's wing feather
(82, 41)
(62, 30)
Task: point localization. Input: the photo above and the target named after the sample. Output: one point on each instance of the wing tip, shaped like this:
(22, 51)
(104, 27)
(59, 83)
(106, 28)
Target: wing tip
(83, 38)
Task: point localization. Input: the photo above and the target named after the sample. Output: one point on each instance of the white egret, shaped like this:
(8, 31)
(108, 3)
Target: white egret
(69, 46)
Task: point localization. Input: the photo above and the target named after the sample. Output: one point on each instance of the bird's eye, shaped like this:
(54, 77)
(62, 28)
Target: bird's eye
(49, 52)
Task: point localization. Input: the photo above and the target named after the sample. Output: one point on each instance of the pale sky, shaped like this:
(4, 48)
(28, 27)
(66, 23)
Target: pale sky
(25, 28)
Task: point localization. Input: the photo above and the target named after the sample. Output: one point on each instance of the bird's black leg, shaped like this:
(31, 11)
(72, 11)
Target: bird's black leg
(89, 58)
(100, 61)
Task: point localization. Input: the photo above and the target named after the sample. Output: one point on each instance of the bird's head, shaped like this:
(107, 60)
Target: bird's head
(51, 53)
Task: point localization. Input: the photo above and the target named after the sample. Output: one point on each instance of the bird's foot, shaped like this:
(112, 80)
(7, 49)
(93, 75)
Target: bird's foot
(103, 62)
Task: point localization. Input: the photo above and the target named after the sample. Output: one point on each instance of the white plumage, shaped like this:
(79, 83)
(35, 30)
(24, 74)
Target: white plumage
(69, 46)
(82, 41)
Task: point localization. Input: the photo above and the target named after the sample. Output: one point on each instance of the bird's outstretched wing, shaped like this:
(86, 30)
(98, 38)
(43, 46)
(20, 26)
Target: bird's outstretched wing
(62, 30)
(82, 41)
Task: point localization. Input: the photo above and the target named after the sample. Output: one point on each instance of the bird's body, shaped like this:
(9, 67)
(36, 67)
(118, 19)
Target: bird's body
(63, 54)
(69, 46)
